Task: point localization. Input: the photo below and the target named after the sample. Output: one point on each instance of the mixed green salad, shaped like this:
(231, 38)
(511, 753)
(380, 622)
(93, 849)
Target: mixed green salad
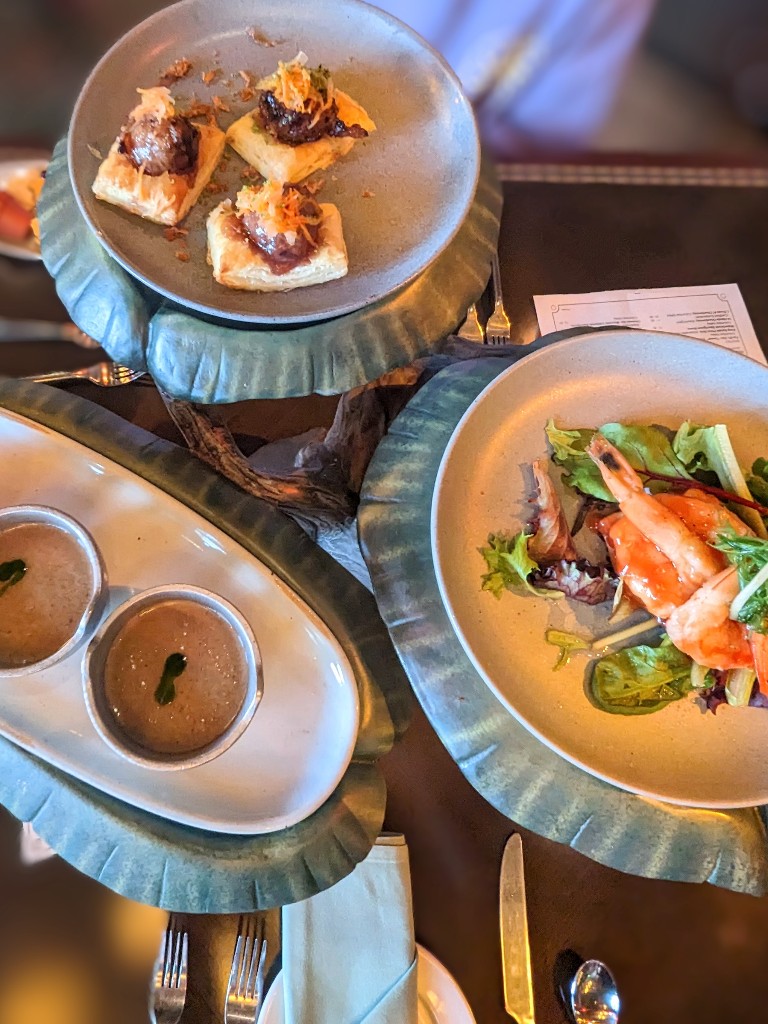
(643, 678)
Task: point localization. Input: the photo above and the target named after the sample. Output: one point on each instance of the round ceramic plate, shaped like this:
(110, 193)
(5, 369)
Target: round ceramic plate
(681, 754)
(441, 1001)
(13, 175)
(403, 192)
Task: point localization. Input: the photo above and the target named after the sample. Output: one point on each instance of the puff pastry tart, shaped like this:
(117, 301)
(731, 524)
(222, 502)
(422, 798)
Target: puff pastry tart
(160, 162)
(302, 123)
(274, 238)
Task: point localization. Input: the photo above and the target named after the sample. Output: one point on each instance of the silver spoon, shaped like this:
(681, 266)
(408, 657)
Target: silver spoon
(594, 997)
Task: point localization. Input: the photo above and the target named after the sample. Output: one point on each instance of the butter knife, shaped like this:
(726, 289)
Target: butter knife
(515, 950)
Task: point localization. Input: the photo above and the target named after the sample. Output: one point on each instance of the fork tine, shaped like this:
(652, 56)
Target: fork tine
(250, 946)
(257, 953)
(182, 975)
(177, 959)
(167, 954)
(260, 971)
(237, 958)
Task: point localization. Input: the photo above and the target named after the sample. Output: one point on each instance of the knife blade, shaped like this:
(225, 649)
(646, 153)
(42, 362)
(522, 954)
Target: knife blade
(515, 949)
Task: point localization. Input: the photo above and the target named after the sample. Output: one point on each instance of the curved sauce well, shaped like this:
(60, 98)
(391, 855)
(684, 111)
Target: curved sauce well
(207, 695)
(43, 610)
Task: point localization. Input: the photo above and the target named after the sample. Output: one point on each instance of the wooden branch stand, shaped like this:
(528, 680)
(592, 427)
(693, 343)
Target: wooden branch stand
(322, 490)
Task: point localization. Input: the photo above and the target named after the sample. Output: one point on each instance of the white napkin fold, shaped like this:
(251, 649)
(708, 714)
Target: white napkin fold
(349, 954)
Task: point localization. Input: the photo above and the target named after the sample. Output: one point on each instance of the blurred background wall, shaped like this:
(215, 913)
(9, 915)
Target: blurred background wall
(699, 83)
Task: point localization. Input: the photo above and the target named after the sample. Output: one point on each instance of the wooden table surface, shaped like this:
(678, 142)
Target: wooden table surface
(680, 952)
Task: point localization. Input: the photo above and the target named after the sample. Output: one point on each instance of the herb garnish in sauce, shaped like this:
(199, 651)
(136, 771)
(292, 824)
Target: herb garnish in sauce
(11, 573)
(166, 690)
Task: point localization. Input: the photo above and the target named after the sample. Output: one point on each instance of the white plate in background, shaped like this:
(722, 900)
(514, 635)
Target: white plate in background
(11, 171)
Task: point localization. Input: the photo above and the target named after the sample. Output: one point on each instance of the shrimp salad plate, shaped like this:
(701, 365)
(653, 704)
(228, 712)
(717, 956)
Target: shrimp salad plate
(599, 540)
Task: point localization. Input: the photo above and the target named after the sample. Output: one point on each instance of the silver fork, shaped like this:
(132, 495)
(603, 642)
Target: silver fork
(170, 984)
(106, 375)
(472, 329)
(497, 330)
(246, 979)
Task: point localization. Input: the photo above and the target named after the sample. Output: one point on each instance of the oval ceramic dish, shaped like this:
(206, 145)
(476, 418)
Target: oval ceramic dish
(294, 752)
(680, 754)
(94, 675)
(403, 193)
(46, 516)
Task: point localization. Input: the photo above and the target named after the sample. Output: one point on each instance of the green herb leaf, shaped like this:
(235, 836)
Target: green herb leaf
(319, 77)
(11, 573)
(641, 680)
(568, 643)
(510, 565)
(643, 447)
(750, 556)
(166, 689)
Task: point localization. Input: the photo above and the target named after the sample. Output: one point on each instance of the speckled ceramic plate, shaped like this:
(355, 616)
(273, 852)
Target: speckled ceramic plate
(681, 754)
(421, 164)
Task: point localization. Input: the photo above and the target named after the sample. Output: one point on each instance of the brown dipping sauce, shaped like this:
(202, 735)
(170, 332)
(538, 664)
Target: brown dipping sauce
(41, 612)
(209, 692)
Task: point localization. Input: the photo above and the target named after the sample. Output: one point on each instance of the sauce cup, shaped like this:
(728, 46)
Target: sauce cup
(95, 678)
(95, 582)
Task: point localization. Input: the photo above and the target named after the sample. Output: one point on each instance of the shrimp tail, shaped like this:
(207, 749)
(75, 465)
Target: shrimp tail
(552, 541)
(619, 477)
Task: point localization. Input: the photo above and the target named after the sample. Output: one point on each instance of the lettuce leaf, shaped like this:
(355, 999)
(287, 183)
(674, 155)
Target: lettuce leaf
(510, 565)
(567, 644)
(578, 579)
(641, 680)
(643, 447)
(709, 449)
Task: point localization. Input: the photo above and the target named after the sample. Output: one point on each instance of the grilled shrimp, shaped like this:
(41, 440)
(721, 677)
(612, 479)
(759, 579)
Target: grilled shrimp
(692, 557)
(702, 629)
(704, 514)
(552, 540)
(647, 573)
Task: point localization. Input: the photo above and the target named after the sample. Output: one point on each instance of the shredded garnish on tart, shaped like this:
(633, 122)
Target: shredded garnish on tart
(301, 88)
(278, 208)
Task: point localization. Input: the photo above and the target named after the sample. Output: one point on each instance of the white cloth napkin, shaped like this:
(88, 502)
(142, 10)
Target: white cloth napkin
(349, 954)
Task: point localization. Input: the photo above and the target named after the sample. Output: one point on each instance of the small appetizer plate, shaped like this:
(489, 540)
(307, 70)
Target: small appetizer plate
(297, 748)
(95, 675)
(14, 178)
(403, 193)
(93, 583)
(682, 754)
